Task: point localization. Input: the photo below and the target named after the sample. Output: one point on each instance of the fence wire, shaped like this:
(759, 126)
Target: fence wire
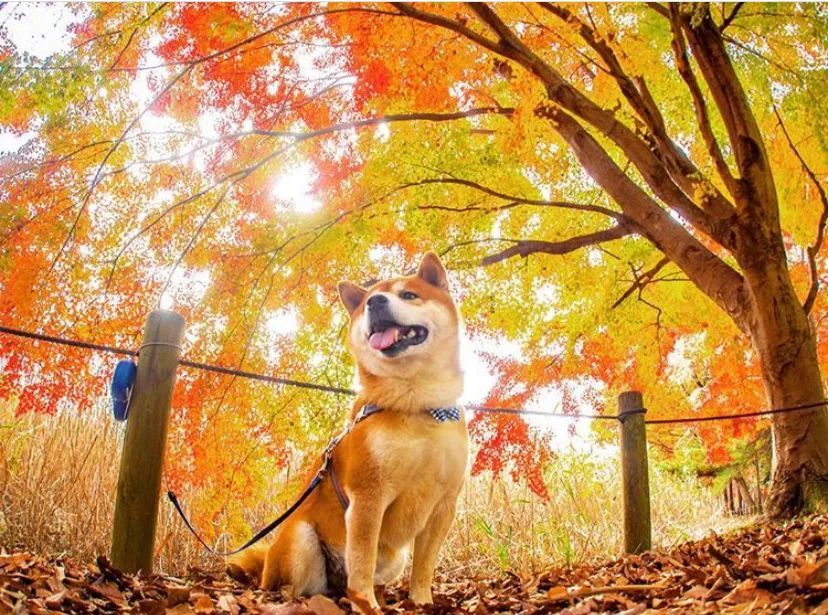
(52, 339)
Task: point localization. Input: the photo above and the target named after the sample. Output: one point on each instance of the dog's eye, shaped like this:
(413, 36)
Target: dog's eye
(408, 295)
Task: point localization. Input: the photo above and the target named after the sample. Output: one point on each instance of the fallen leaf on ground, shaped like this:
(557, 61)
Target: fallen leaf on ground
(763, 568)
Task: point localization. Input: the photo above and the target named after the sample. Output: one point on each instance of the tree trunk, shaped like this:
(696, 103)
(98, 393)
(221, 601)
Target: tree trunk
(737, 498)
(786, 346)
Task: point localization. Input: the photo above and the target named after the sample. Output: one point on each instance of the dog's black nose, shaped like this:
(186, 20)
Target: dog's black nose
(377, 301)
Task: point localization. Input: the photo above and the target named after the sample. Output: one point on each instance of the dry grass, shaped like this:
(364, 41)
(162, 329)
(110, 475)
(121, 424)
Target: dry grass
(57, 481)
(58, 478)
(57, 488)
(502, 525)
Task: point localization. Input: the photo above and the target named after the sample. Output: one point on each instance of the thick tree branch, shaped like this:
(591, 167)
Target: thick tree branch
(659, 8)
(525, 247)
(649, 113)
(653, 170)
(699, 103)
(729, 19)
(814, 249)
(707, 271)
(409, 10)
(561, 92)
(756, 190)
(682, 170)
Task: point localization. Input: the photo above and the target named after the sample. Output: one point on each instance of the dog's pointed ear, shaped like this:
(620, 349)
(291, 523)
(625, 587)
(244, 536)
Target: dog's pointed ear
(351, 295)
(432, 271)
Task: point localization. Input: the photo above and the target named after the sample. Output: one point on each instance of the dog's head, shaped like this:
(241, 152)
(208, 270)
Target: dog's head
(404, 326)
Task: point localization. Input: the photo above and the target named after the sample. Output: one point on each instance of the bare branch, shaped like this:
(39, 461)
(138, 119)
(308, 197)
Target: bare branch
(729, 19)
(124, 48)
(192, 241)
(297, 137)
(641, 281)
(756, 188)
(98, 172)
(398, 117)
(657, 324)
(814, 249)
(765, 58)
(525, 247)
(516, 199)
(189, 66)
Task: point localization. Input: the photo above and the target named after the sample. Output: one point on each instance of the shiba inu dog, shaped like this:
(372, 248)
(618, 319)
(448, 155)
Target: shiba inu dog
(395, 477)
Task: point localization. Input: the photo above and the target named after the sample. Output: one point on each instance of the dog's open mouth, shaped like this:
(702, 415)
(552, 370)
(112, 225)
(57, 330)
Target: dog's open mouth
(391, 338)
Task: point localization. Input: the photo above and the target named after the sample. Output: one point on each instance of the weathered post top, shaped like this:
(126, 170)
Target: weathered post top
(630, 402)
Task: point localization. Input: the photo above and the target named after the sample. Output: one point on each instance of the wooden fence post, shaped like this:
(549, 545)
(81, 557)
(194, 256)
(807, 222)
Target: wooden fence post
(139, 481)
(637, 524)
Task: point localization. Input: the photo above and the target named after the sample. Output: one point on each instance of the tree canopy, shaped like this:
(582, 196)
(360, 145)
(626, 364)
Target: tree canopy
(234, 162)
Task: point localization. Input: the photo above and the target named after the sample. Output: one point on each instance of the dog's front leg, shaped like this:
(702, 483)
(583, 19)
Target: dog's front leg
(362, 526)
(426, 547)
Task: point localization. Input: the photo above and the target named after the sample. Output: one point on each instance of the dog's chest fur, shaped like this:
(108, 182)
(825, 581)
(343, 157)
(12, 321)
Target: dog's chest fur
(412, 463)
(421, 450)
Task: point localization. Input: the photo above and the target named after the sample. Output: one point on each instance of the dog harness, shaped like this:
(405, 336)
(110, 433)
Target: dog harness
(451, 414)
(441, 415)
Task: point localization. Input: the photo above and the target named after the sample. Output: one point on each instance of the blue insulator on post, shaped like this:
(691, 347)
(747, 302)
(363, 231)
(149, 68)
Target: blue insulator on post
(121, 388)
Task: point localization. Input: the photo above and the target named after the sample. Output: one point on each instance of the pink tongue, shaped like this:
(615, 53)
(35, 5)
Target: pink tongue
(383, 339)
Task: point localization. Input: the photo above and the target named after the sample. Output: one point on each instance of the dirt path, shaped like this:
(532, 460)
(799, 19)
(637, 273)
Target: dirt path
(768, 568)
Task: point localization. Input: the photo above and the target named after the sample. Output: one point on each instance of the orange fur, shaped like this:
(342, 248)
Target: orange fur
(401, 469)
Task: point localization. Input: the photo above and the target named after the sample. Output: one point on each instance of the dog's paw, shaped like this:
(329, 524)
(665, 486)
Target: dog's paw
(421, 597)
(367, 605)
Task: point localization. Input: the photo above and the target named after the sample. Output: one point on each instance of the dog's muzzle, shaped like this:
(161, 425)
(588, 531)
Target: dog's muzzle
(386, 334)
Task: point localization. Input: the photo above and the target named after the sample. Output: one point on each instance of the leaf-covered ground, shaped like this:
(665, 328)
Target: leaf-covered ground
(767, 568)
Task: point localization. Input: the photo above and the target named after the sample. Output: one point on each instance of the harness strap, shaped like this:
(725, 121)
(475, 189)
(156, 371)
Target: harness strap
(441, 415)
(340, 494)
(326, 467)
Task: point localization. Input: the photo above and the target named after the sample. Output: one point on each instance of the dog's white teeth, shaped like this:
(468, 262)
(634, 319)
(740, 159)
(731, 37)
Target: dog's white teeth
(411, 333)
